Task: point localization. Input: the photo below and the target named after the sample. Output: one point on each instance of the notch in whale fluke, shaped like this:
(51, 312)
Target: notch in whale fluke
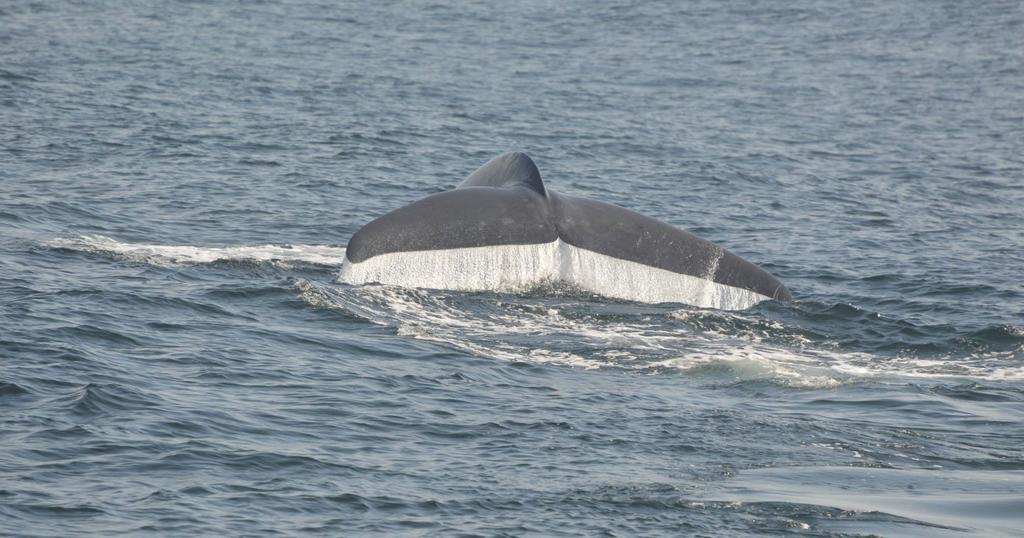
(502, 230)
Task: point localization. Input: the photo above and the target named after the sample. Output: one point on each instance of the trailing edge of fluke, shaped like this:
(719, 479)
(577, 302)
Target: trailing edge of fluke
(503, 230)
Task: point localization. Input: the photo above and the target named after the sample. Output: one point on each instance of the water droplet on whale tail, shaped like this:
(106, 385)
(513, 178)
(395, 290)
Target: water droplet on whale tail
(503, 230)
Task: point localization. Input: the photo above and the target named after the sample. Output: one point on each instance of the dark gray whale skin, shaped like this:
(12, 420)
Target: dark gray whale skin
(505, 202)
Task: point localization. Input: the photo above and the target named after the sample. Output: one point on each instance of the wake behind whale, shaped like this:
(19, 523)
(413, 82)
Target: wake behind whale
(502, 230)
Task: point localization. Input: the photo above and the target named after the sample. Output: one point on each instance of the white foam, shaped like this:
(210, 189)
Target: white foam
(696, 344)
(166, 255)
(430, 316)
(514, 333)
(512, 268)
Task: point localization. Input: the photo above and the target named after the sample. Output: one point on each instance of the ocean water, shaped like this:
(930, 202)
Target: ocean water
(178, 181)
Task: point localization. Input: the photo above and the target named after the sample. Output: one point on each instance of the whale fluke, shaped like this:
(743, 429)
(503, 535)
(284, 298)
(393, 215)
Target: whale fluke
(502, 230)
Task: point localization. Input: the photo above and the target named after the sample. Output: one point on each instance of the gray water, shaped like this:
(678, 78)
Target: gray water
(178, 181)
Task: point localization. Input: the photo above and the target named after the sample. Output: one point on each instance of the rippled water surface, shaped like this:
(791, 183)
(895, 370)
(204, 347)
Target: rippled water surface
(178, 181)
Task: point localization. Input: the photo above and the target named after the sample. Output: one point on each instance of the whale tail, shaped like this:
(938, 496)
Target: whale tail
(503, 230)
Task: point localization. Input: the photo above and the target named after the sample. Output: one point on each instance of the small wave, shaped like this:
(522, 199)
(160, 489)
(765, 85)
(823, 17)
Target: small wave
(11, 390)
(94, 399)
(171, 255)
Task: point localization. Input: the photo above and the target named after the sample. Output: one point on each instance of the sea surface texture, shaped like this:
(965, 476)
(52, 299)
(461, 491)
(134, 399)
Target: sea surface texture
(178, 181)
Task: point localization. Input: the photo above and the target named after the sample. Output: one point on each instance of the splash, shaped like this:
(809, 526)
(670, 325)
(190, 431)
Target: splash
(574, 330)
